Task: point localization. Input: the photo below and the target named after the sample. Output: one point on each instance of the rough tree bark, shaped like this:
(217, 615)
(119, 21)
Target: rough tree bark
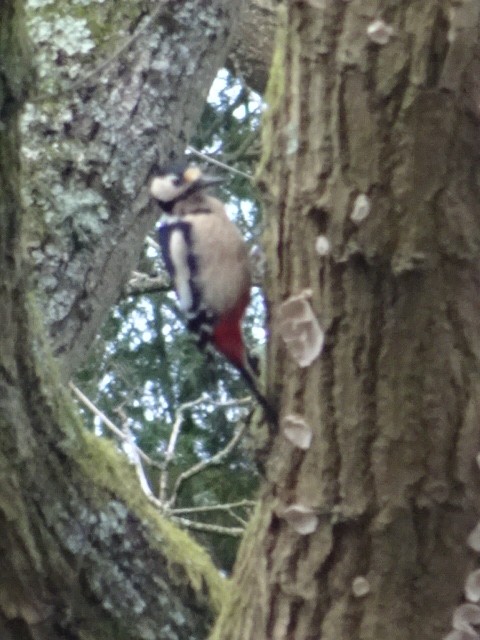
(252, 43)
(372, 144)
(140, 108)
(129, 111)
(82, 554)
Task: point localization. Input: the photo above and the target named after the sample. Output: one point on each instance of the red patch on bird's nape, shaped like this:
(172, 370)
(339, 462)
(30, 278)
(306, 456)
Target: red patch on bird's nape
(227, 335)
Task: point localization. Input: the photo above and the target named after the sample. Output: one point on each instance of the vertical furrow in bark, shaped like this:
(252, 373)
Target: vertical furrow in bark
(384, 128)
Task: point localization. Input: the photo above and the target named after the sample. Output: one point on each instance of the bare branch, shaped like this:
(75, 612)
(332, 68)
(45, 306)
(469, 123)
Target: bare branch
(216, 459)
(215, 507)
(235, 532)
(228, 508)
(136, 455)
(132, 452)
(142, 283)
(172, 443)
(152, 242)
(238, 518)
(109, 424)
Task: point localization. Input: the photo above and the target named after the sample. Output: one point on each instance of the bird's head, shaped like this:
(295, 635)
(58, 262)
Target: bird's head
(178, 182)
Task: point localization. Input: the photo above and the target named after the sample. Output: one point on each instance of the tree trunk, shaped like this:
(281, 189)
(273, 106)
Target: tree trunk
(252, 43)
(90, 149)
(372, 189)
(82, 553)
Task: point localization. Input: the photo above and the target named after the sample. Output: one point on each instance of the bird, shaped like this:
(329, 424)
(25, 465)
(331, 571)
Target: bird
(208, 262)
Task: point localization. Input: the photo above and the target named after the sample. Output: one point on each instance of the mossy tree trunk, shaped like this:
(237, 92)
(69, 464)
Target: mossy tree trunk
(82, 553)
(92, 142)
(372, 143)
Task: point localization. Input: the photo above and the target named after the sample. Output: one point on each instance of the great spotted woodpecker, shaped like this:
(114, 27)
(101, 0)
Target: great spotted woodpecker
(208, 262)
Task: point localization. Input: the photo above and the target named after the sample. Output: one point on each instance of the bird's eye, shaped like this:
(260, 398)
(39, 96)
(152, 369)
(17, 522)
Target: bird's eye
(176, 182)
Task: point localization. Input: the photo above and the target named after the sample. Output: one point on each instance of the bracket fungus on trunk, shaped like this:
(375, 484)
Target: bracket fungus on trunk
(472, 586)
(297, 430)
(301, 518)
(465, 618)
(322, 246)
(360, 587)
(300, 329)
(473, 539)
(379, 32)
(361, 208)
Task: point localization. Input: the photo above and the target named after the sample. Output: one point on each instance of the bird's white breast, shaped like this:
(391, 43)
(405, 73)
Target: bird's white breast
(179, 256)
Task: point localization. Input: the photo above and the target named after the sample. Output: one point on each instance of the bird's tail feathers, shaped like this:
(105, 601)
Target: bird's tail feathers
(251, 380)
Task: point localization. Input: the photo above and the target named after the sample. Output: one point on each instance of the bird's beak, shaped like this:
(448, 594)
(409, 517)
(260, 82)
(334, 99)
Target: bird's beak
(207, 181)
(197, 180)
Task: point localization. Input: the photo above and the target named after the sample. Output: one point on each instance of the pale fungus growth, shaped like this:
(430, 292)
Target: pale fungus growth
(317, 4)
(301, 518)
(460, 635)
(451, 35)
(291, 132)
(453, 30)
(360, 587)
(472, 586)
(322, 246)
(299, 329)
(465, 617)
(379, 32)
(361, 208)
(295, 429)
(473, 539)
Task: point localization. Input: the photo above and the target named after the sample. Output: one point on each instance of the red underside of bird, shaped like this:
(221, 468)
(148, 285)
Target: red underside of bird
(227, 334)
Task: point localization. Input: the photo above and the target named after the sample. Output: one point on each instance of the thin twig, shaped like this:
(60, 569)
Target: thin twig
(152, 243)
(136, 460)
(236, 517)
(211, 160)
(142, 283)
(215, 507)
(228, 508)
(247, 143)
(203, 464)
(109, 424)
(136, 455)
(172, 443)
(235, 532)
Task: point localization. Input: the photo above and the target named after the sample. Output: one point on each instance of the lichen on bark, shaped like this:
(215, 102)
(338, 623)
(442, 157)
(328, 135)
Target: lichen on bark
(82, 553)
(90, 149)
